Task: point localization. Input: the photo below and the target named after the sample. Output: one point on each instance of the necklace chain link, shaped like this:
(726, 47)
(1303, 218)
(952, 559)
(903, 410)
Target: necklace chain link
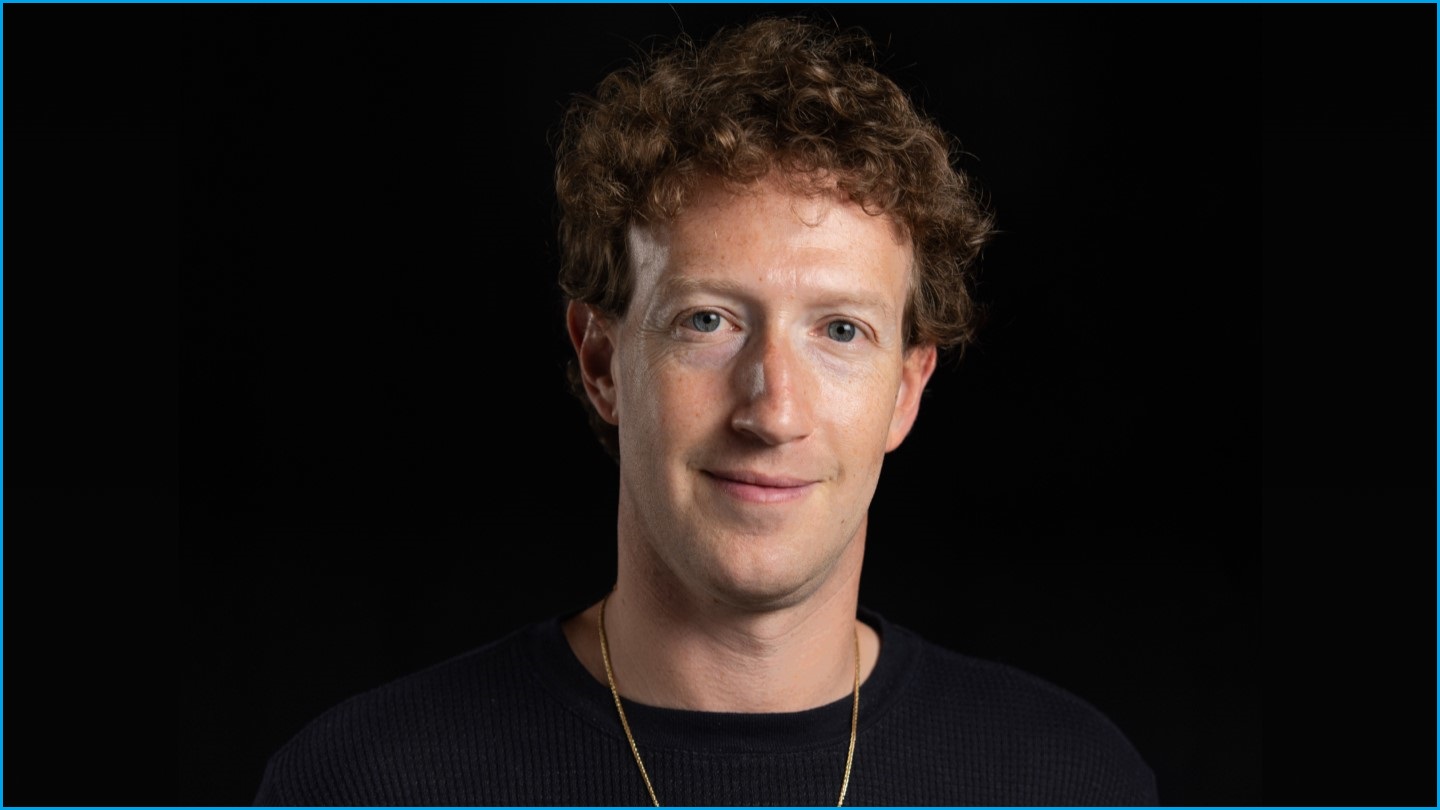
(634, 750)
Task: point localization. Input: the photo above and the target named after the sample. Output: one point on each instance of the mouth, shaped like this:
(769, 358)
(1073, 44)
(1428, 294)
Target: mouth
(752, 487)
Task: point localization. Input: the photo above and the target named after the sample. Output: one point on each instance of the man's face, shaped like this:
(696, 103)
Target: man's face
(758, 379)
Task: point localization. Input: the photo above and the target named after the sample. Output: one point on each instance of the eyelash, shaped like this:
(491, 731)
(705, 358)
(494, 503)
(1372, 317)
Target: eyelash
(686, 322)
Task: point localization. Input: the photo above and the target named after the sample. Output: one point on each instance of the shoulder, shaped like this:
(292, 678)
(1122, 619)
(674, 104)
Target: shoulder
(375, 747)
(1045, 745)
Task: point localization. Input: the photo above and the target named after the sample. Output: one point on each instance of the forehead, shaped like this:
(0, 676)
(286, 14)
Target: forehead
(770, 237)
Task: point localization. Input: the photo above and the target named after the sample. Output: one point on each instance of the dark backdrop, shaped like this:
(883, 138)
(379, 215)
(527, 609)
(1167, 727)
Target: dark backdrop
(389, 470)
(380, 466)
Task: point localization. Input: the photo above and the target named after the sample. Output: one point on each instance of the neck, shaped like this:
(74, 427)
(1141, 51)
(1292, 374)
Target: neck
(674, 648)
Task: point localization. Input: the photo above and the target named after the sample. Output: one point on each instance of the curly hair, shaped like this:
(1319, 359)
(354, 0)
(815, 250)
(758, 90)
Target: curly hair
(778, 94)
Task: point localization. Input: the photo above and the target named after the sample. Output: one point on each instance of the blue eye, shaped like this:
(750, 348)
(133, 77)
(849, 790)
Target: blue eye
(705, 321)
(842, 331)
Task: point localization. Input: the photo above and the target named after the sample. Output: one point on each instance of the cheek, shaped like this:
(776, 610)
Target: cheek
(677, 395)
(857, 408)
(857, 397)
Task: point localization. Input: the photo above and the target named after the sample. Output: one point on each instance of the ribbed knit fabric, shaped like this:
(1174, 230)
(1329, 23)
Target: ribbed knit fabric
(521, 722)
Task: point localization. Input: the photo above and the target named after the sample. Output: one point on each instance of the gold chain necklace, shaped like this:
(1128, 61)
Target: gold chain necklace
(625, 724)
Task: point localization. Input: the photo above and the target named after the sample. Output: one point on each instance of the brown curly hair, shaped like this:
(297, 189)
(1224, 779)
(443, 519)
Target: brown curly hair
(777, 94)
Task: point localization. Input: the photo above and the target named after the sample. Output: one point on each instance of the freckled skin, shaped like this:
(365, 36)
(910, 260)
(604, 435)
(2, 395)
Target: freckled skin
(768, 390)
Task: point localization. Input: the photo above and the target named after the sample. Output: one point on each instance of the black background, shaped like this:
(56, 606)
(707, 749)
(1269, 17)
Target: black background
(1209, 363)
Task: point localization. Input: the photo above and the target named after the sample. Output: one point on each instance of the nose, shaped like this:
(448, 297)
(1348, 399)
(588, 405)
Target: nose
(775, 392)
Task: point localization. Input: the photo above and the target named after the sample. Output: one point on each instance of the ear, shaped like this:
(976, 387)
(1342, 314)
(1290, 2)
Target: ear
(590, 334)
(919, 364)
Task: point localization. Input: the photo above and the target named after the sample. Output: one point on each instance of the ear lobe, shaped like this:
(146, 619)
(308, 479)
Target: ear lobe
(919, 365)
(590, 334)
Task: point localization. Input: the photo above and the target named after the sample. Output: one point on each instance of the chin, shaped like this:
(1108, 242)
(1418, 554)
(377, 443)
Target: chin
(758, 598)
(766, 581)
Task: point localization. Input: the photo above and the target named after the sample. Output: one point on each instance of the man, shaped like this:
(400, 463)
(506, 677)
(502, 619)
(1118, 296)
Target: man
(764, 246)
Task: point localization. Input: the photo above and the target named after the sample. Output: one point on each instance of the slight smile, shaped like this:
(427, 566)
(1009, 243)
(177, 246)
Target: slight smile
(757, 488)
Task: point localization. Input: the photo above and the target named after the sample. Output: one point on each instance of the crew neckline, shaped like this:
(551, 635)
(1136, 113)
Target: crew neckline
(679, 729)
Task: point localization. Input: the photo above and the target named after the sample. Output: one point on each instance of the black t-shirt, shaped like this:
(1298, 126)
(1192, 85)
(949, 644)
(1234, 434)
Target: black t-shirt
(521, 722)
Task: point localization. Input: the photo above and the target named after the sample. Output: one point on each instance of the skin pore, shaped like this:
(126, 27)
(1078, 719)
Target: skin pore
(758, 379)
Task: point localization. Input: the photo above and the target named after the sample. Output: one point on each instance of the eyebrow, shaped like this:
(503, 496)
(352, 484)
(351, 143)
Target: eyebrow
(679, 286)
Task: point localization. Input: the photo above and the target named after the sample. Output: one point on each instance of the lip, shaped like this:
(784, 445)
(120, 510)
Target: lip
(753, 487)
